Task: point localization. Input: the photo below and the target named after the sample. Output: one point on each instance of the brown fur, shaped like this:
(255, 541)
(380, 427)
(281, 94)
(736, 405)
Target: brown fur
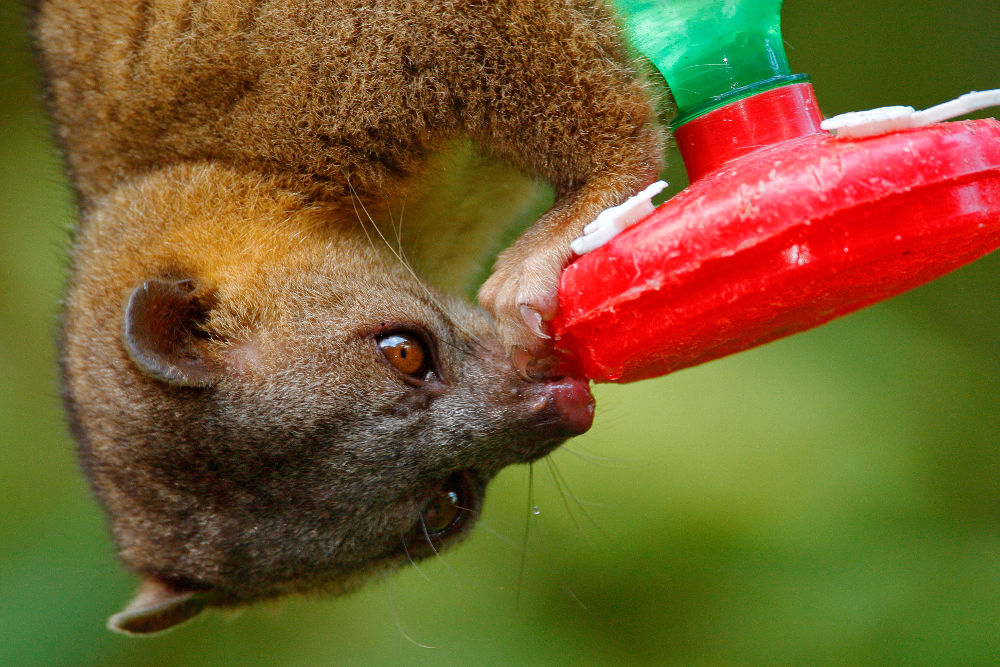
(250, 440)
(335, 98)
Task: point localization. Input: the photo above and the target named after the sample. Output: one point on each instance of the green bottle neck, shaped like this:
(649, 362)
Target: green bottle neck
(711, 52)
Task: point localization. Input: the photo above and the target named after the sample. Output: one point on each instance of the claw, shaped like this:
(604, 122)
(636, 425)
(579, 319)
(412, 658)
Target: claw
(533, 320)
(521, 360)
(528, 366)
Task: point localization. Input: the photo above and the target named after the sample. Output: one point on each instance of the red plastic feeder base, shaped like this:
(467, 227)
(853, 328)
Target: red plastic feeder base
(781, 240)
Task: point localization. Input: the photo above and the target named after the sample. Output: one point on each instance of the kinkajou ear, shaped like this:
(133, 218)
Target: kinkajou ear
(162, 332)
(156, 607)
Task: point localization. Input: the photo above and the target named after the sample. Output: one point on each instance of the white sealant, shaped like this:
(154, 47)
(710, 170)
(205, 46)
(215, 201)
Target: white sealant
(612, 221)
(870, 123)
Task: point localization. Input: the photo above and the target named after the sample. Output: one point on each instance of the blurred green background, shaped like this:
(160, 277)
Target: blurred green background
(833, 498)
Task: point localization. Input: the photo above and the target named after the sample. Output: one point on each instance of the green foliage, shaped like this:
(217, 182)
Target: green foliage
(833, 498)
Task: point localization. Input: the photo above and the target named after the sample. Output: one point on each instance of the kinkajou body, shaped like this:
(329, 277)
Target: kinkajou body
(266, 399)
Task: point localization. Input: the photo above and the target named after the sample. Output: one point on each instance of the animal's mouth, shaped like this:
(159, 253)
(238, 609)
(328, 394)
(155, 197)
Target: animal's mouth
(451, 508)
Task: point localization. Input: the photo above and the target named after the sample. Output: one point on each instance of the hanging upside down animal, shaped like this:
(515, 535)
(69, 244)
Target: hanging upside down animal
(272, 384)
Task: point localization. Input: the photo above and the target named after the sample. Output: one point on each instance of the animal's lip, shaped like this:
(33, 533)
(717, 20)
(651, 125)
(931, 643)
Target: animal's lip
(451, 507)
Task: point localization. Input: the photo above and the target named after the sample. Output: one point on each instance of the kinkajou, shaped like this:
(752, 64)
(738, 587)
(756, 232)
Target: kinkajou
(266, 398)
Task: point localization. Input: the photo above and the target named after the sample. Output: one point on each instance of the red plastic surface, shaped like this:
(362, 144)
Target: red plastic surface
(708, 142)
(778, 241)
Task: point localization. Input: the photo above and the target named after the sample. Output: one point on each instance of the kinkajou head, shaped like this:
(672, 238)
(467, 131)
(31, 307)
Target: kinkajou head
(265, 408)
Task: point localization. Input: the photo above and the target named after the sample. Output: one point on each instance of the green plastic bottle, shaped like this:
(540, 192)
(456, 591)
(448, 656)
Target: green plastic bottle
(711, 52)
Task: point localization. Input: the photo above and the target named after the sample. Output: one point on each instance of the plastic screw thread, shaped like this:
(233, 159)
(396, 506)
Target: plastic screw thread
(711, 52)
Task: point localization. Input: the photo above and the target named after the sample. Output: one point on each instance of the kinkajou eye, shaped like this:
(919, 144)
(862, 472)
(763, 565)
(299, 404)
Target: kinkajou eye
(408, 353)
(449, 510)
(443, 511)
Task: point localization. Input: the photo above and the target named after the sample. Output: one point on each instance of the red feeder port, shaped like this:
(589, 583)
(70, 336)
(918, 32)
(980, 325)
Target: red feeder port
(776, 240)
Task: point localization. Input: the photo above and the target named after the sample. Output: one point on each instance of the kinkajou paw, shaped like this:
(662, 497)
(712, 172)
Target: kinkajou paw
(522, 294)
(523, 297)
